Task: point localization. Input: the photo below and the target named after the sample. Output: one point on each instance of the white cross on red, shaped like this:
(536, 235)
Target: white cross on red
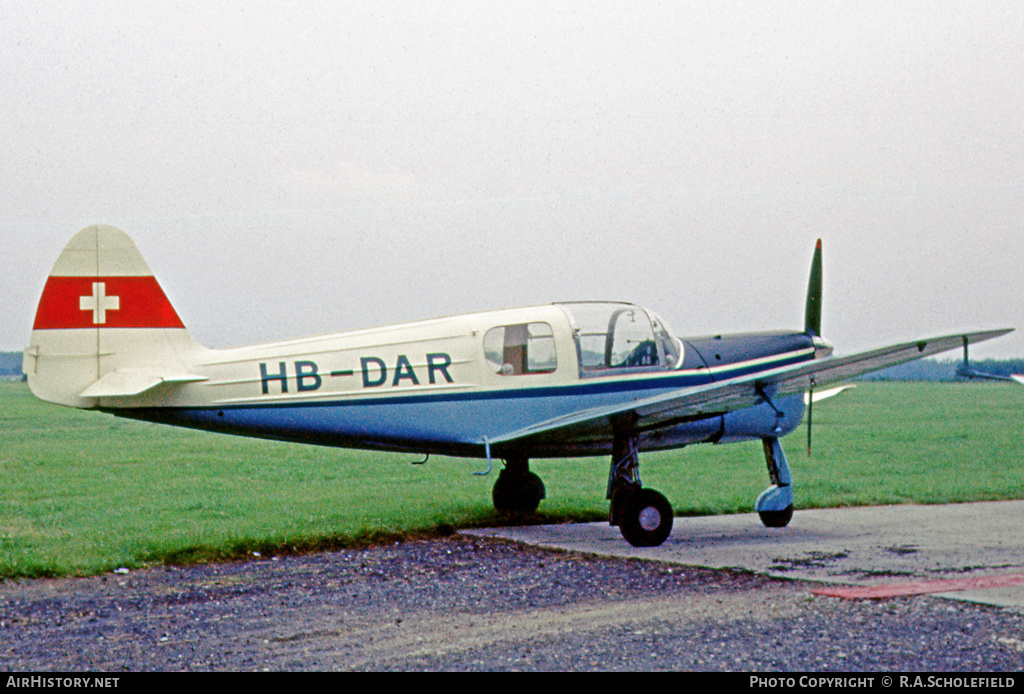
(99, 303)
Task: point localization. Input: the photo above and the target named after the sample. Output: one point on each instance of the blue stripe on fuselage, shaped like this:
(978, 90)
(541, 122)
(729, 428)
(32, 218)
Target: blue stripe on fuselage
(453, 422)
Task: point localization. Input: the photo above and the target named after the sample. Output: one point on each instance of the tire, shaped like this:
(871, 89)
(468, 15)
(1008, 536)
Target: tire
(646, 518)
(776, 519)
(620, 503)
(517, 493)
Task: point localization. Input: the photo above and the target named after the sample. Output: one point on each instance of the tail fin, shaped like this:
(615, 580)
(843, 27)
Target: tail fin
(104, 327)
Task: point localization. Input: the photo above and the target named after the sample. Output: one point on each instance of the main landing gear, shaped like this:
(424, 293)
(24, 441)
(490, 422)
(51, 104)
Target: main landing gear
(517, 489)
(644, 516)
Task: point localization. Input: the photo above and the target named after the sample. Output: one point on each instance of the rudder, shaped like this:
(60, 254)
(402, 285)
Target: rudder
(101, 311)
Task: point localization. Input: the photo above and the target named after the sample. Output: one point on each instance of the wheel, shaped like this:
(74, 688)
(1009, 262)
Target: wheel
(620, 503)
(520, 492)
(646, 519)
(777, 519)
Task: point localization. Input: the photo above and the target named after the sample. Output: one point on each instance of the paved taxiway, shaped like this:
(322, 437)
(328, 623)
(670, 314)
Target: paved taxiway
(882, 546)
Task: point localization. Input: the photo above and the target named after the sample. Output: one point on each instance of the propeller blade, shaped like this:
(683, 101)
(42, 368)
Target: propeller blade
(812, 326)
(810, 416)
(812, 314)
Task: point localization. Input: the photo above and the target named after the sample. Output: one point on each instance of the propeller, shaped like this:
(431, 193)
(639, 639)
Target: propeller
(810, 415)
(812, 313)
(812, 326)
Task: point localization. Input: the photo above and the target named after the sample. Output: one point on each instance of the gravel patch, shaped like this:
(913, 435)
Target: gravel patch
(463, 603)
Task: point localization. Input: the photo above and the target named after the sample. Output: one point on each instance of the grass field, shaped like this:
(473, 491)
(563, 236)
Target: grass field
(84, 492)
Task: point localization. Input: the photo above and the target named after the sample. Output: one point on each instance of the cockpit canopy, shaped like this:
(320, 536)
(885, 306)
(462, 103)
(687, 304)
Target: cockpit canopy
(617, 336)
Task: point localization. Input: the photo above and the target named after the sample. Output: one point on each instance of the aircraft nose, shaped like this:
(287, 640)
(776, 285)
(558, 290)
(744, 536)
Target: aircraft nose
(822, 347)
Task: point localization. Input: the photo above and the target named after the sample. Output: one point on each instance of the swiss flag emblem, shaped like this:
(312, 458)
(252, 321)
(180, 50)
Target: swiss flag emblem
(99, 303)
(104, 302)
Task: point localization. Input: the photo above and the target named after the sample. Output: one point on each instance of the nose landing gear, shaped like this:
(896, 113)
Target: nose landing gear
(775, 504)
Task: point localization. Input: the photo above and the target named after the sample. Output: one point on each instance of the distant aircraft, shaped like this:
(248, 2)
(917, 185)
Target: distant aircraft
(558, 380)
(965, 370)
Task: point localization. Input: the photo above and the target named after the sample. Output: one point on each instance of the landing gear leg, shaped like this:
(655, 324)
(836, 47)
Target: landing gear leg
(644, 516)
(775, 504)
(517, 489)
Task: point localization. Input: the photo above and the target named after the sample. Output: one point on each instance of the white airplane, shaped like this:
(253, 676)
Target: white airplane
(565, 379)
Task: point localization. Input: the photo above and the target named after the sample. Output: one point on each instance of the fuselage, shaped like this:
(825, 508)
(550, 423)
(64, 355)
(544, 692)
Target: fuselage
(448, 385)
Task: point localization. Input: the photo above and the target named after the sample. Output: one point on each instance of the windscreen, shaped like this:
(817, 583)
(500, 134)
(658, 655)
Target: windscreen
(614, 336)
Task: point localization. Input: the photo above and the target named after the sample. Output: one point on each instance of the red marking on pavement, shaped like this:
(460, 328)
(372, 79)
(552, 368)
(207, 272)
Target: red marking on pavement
(891, 590)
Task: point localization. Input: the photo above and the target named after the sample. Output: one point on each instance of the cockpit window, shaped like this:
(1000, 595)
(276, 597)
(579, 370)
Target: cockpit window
(524, 348)
(630, 339)
(671, 347)
(620, 336)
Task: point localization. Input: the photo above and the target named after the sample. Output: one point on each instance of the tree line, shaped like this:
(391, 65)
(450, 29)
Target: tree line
(938, 370)
(920, 370)
(10, 365)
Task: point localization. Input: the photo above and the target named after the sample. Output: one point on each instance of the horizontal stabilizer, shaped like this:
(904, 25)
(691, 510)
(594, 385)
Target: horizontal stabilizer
(129, 382)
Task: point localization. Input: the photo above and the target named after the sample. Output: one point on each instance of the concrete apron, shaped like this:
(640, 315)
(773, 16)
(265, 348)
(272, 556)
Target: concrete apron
(972, 552)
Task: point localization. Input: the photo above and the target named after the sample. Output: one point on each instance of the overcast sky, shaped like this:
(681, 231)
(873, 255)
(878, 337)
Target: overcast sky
(299, 168)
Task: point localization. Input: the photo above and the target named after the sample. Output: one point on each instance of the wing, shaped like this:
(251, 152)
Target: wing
(736, 393)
